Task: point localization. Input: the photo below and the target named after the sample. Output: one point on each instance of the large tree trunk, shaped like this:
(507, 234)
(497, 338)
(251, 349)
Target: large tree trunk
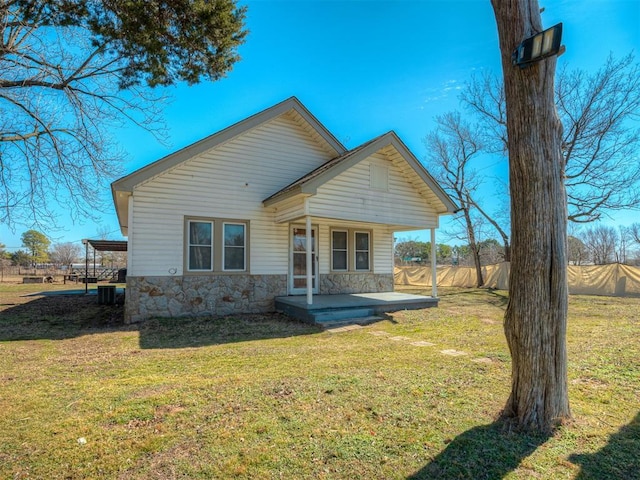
(536, 317)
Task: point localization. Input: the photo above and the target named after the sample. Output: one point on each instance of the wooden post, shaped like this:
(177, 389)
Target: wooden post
(309, 254)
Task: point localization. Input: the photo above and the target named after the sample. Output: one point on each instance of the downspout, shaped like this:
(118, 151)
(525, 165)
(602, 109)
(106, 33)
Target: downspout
(309, 253)
(434, 274)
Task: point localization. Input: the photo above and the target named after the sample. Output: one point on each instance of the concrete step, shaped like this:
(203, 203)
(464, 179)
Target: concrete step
(350, 321)
(335, 315)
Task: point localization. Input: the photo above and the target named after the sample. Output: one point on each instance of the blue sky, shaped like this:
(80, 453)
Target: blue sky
(364, 68)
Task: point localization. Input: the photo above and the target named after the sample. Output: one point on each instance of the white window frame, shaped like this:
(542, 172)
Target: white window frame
(244, 247)
(211, 245)
(346, 250)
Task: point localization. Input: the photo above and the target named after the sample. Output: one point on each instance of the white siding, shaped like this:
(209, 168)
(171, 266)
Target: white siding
(229, 181)
(350, 196)
(289, 210)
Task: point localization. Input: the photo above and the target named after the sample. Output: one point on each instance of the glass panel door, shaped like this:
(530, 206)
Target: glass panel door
(298, 261)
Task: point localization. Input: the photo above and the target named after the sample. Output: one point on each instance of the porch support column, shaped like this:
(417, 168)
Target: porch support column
(434, 274)
(309, 253)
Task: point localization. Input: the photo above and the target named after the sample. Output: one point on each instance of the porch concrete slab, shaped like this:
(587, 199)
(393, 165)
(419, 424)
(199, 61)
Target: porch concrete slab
(350, 305)
(360, 300)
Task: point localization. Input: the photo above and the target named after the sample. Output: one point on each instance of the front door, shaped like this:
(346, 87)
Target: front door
(298, 261)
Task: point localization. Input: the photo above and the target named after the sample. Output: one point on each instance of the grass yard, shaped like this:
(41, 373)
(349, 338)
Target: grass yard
(417, 395)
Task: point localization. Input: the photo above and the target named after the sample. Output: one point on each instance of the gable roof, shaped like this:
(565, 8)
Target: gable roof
(123, 187)
(309, 184)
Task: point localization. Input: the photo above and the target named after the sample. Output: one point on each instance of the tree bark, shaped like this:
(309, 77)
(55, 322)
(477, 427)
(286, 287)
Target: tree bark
(536, 317)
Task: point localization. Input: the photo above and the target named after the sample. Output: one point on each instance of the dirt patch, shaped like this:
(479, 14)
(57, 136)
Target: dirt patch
(490, 321)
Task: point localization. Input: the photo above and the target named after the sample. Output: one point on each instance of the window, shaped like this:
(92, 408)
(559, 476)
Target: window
(350, 250)
(234, 246)
(216, 245)
(362, 250)
(200, 246)
(339, 260)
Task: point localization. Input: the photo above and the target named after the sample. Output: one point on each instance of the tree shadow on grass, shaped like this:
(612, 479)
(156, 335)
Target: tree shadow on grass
(202, 331)
(487, 452)
(59, 317)
(620, 458)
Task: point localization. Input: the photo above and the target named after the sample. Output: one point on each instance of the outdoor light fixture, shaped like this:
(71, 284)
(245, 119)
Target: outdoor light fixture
(541, 45)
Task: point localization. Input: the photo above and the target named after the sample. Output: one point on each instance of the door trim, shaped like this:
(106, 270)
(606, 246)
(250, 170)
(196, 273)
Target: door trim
(291, 277)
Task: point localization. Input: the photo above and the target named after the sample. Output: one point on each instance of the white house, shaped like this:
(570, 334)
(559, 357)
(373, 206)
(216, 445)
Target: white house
(265, 207)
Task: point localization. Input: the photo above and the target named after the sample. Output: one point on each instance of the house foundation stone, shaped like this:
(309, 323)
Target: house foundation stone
(188, 296)
(341, 283)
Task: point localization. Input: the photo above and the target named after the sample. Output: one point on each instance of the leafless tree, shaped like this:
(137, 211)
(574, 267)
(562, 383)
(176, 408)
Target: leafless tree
(601, 138)
(65, 253)
(493, 220)
(634, 237)
(624, 241)
(73, 71)
(451, 147)
(536, 316)
(634, 231)
(57, 95)
(601, 242)
(577, 252)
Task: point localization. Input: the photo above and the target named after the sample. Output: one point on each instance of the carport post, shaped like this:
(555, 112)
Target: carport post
(86, 265)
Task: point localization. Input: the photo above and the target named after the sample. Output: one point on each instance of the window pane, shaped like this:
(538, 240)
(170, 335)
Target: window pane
(299, 264)
(300, 240)
(200, 258)
(340, 260)
(234, 246)
(362, 261)
(234, 235)
(234, 258)
(339, 240)
(200, 246)
(362, 241)
(200, 233)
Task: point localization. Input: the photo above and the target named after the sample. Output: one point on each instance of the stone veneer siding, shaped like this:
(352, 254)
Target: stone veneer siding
(337, 283)
(188, 296)
(198, 295)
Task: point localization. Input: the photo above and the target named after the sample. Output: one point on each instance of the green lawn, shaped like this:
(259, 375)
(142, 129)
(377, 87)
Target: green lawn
(262, 397)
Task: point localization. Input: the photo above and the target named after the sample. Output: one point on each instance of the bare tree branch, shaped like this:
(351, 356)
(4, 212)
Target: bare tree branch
(74, 71)
(452, 146)
(601, 137)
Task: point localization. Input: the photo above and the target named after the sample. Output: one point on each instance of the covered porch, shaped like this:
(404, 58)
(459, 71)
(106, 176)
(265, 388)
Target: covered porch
(333, 310)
